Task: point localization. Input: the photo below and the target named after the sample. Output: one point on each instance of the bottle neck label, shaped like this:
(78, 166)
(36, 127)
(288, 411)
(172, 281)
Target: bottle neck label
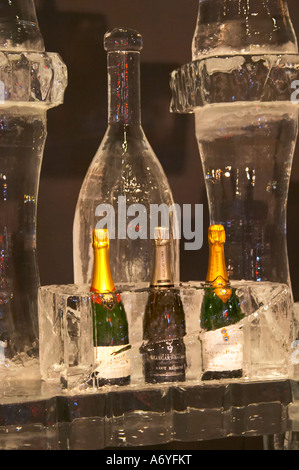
(108, 301)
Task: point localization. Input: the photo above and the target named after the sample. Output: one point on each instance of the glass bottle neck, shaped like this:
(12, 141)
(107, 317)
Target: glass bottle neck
(124, 88)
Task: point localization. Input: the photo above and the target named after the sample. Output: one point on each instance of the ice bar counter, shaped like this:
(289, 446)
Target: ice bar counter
(61, 412)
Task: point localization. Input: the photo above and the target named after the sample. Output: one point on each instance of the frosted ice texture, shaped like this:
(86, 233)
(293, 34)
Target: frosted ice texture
(32, 77)
(232, 79)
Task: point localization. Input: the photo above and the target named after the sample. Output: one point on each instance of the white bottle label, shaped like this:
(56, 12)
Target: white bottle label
(112, 362)
(222, 349)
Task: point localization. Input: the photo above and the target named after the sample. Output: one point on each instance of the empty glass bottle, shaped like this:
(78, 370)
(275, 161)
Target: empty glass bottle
(125, 178)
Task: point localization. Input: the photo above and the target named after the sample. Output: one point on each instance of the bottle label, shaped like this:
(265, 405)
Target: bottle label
(222, 349)
(164, 359)
(112, 362)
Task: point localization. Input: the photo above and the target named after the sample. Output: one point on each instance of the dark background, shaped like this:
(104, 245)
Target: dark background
(75, 29)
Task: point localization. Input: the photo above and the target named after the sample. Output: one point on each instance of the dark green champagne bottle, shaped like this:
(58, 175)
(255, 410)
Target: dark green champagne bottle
(163, 349)
(222, 339)
(110, 325)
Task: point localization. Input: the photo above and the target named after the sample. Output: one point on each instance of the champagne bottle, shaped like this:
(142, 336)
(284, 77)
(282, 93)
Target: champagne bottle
(124, 179)
(222, 340)
(163, 348)
(110, 325)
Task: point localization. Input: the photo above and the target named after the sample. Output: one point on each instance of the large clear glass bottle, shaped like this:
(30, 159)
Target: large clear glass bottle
(125, 175)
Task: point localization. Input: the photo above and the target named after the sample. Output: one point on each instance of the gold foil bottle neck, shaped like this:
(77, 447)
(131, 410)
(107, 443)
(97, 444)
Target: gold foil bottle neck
(102, 278)
(217, 274)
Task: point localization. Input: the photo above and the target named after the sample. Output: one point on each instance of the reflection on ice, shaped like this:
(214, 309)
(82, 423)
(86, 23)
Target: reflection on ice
(66, 341)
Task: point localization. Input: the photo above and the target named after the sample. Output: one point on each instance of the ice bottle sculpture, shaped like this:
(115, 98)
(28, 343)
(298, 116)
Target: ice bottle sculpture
(125, 180)
(31, 81)
(240, 86)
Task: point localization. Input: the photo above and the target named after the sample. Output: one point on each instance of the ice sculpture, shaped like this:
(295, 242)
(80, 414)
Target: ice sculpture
(31, 82)
(242, 88)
